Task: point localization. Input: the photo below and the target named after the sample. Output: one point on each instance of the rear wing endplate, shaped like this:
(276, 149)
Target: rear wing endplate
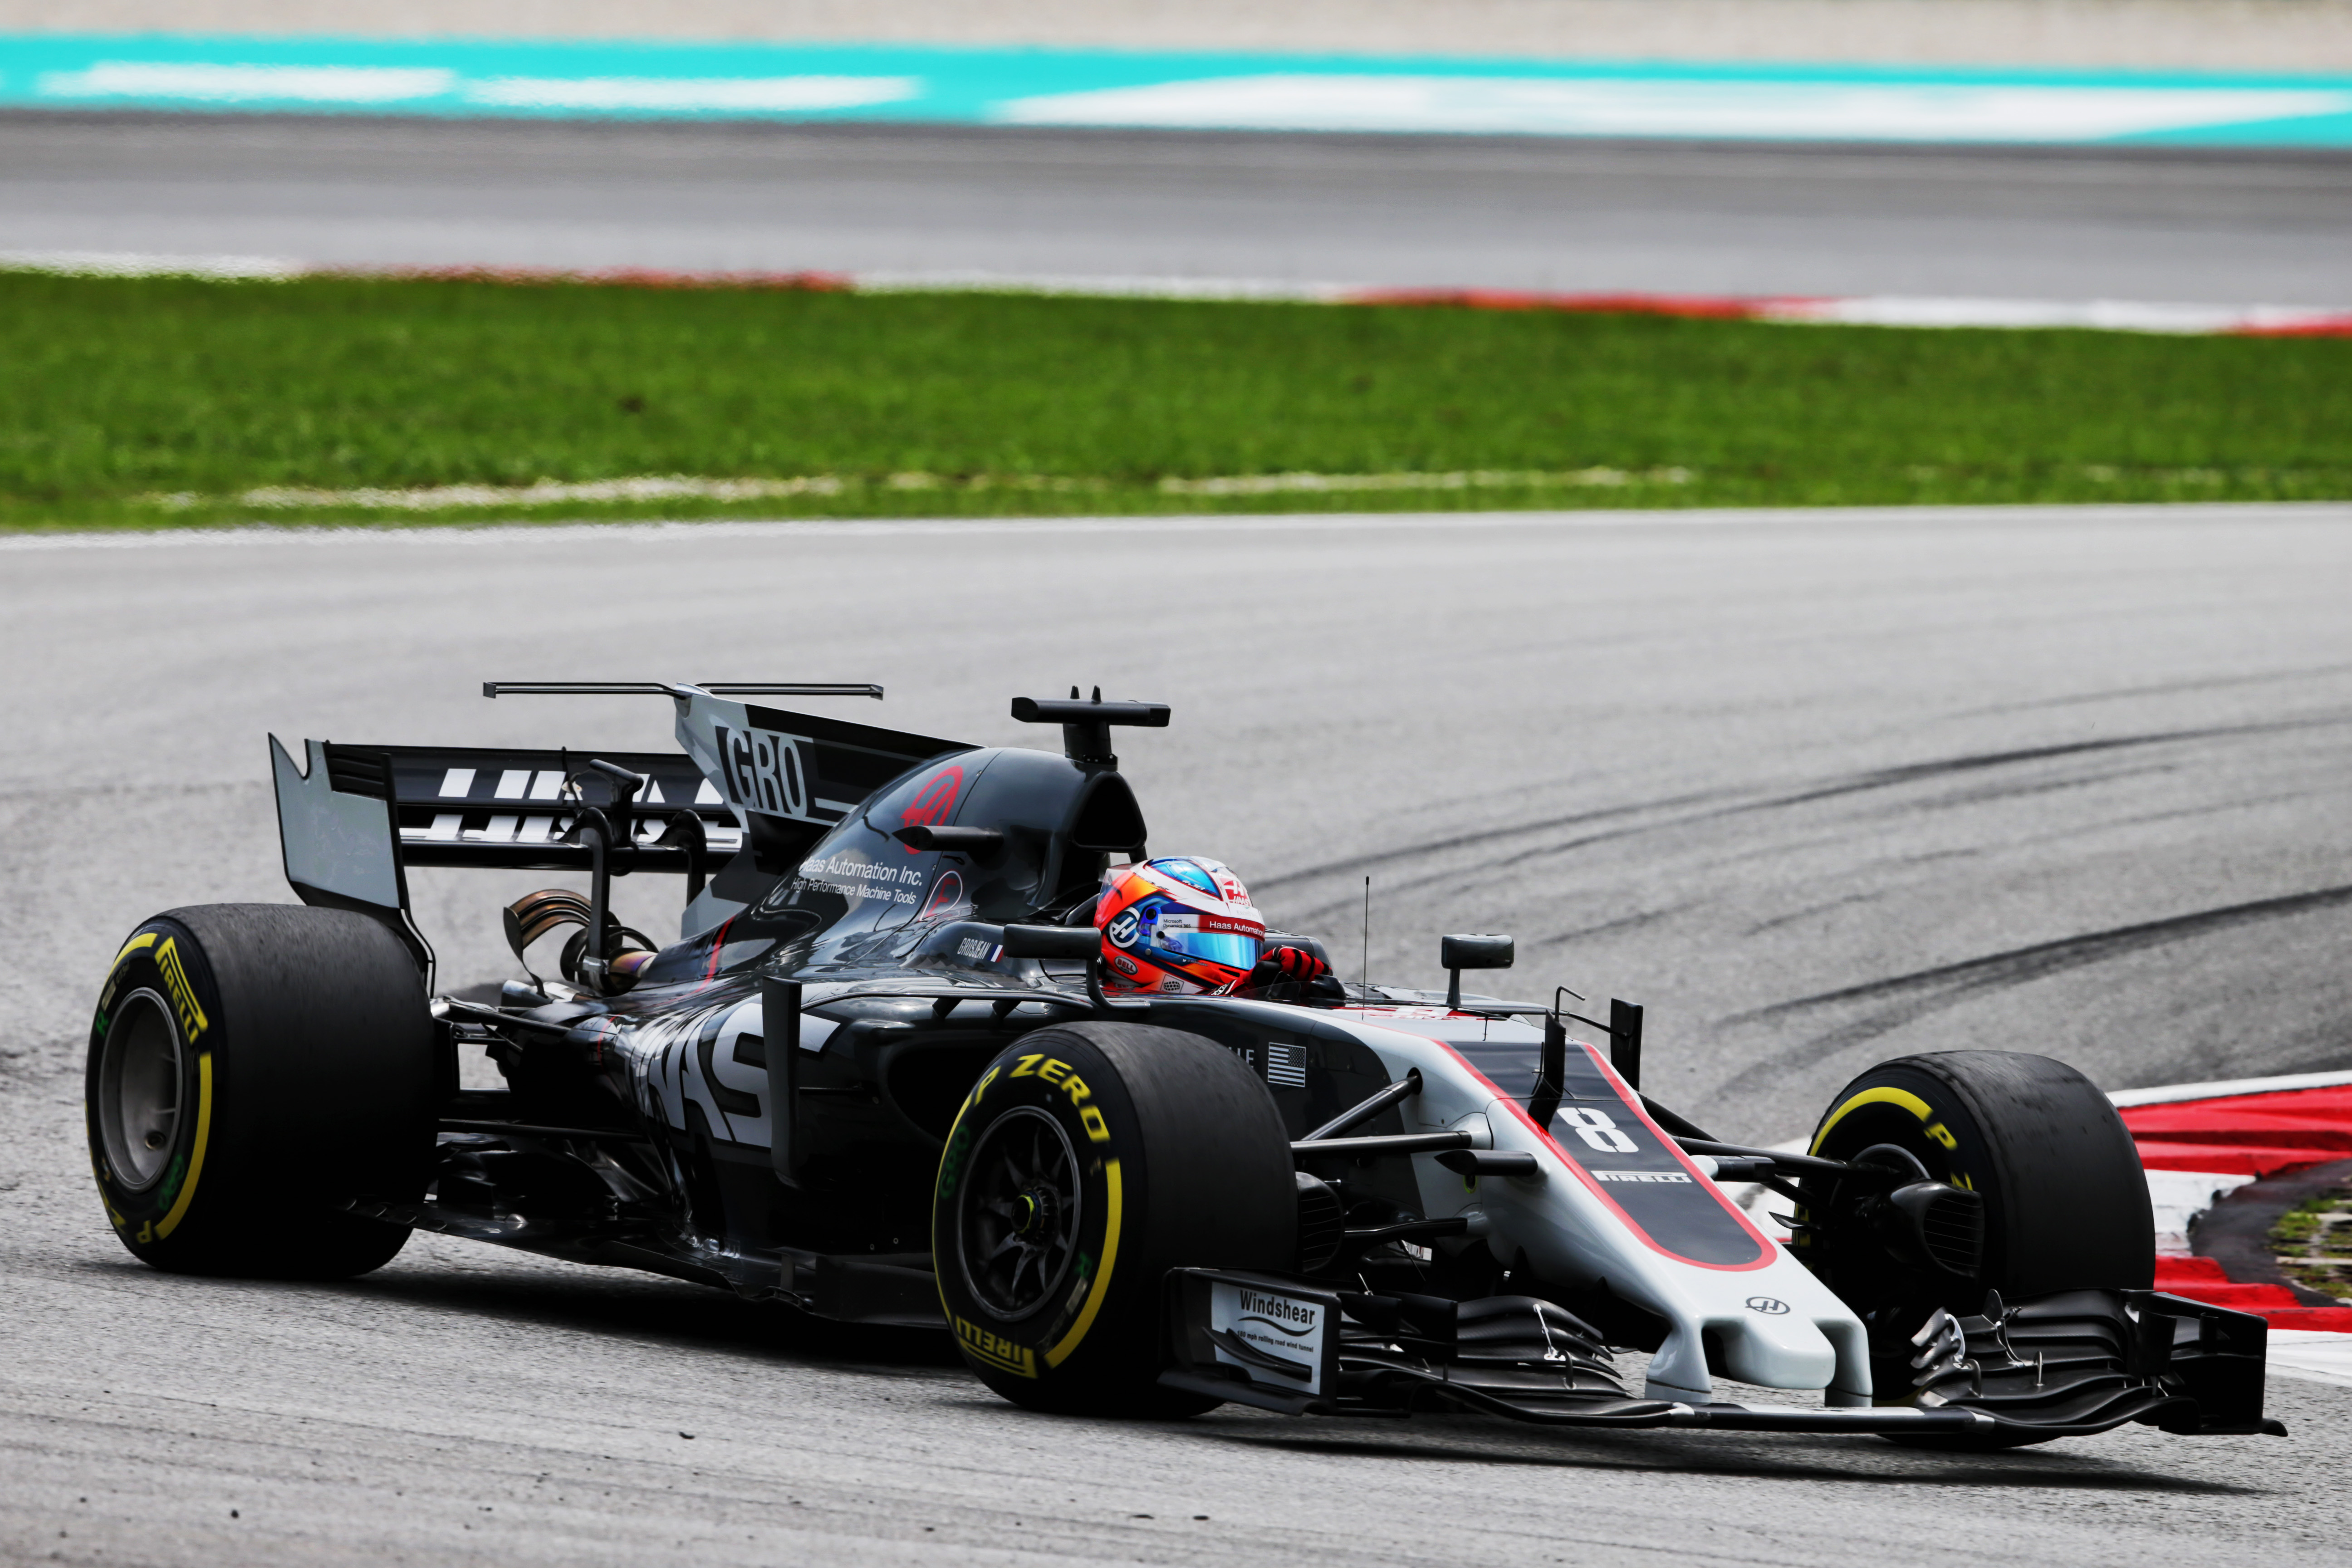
(340, 840)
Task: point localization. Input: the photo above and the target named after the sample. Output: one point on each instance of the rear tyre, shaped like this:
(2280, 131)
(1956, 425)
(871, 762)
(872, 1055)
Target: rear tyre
(1089, 1161)
(251, 1067)
(2065, 1200)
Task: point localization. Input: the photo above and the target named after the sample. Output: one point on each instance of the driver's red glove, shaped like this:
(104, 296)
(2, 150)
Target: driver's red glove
(1288, 964)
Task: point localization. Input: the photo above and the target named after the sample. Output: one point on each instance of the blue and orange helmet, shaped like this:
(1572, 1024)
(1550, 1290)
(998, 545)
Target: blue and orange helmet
(1178, 924)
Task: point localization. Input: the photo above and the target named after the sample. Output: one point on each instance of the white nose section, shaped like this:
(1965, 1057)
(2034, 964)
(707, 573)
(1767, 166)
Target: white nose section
(1778, 1350)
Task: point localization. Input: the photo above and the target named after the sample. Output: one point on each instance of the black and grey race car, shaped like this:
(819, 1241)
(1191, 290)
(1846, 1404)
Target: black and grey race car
(879, 1078)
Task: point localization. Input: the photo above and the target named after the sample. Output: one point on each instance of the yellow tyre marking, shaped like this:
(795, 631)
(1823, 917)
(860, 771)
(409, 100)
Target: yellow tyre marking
(184, 995)
(144, 939)
(995, 1349)
(1055, 1356)
(1069, 1342)
(164, 1227)
(1904, 1098)
(938, 1274)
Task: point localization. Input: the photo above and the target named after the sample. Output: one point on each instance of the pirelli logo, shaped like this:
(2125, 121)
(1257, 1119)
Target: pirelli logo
(184, 996)
(995, 1349)
(1640, 1177)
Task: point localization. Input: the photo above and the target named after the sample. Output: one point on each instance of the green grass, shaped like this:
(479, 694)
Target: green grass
(114, 392)
(2313, 1243)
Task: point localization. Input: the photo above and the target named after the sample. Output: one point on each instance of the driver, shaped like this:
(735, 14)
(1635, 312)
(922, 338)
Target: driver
(1183, 924)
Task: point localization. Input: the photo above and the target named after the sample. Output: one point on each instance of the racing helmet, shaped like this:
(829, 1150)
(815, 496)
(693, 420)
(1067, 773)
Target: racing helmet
(1178, 924)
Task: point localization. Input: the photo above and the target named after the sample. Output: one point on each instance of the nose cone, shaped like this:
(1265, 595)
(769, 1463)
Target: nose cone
(1777, 1349)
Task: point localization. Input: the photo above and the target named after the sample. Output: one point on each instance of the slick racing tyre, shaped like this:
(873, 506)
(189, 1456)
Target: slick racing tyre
(2065, 1201)
(251, 1067)
(1087, 1162)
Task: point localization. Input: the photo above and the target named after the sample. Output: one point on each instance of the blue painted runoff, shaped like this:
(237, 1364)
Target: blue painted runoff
(1135, 90)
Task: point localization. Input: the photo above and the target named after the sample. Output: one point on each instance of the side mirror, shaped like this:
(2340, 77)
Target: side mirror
(1460, 952)
(983, 845)
(1083, 943)
(1077, 942)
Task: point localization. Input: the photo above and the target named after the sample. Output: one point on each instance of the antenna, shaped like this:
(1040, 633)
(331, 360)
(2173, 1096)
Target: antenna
(1364, 975)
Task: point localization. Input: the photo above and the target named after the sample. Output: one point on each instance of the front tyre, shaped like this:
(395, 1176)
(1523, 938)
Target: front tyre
(252, 1066)
(1087, 1162)
(2065, 1199)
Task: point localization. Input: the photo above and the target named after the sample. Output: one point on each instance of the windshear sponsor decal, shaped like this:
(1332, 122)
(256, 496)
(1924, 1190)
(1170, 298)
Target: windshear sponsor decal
(764, 772)
(1276, 1338)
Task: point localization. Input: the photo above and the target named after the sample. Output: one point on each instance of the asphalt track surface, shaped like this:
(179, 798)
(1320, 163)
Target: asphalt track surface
(1821, 788)
(2143, 223)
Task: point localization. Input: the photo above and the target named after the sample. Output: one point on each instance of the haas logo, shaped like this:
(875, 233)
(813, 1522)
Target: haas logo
(1123, 928)
(935, 802)
(1767, 1306)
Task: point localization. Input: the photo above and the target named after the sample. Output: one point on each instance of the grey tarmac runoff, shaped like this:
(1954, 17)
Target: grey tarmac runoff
(1821, 788)
(2200, 227)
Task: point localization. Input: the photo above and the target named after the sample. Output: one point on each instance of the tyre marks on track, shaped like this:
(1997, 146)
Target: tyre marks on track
(1516, 846)
(1913, 997)
(1741, 907)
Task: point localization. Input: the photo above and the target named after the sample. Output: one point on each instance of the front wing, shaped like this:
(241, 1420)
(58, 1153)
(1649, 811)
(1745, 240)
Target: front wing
(2070, 1364)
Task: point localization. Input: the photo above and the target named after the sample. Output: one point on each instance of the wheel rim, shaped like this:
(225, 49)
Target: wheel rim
(139, 1083)
(1021, 1211)
(1867, 1278)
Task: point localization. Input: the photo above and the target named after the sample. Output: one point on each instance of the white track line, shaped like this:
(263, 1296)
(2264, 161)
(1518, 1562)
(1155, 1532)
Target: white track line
(2311, 1355)
(2226, 1088)
(444, 535)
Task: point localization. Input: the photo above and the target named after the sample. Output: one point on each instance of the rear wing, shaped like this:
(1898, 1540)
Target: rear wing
(755, 791)
(508, 809)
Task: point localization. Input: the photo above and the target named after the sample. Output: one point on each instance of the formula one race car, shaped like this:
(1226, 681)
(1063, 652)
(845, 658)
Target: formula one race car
(880, 1078)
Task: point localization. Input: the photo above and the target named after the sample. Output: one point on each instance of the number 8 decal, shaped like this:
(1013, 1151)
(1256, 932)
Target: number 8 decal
(1597, 1131)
